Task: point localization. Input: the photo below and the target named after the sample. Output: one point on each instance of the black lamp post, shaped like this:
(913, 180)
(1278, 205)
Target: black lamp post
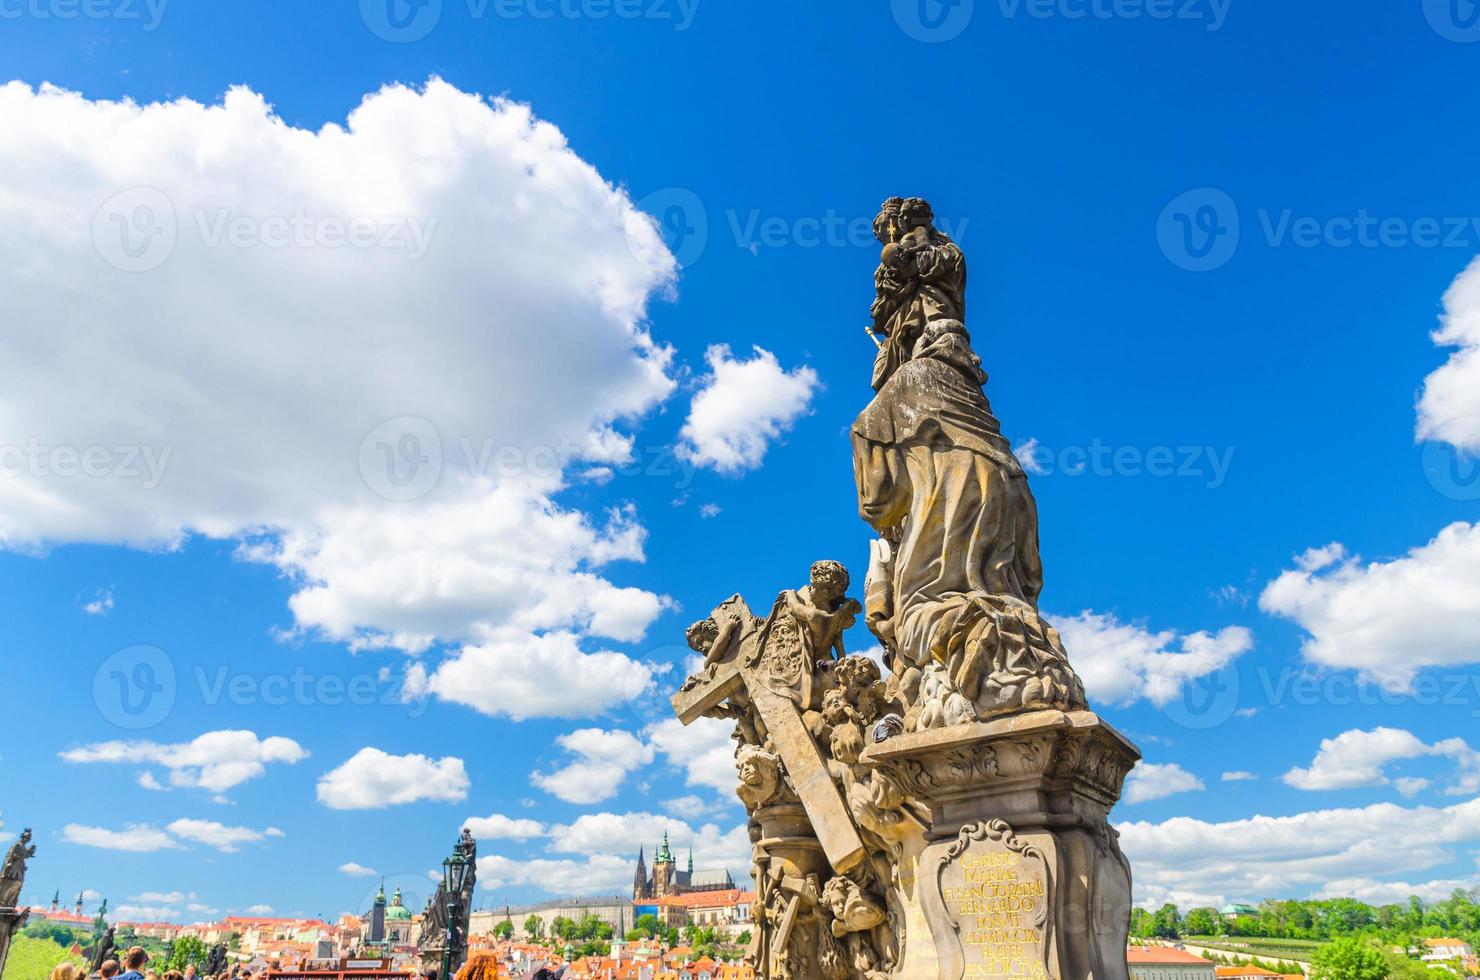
(454, 874)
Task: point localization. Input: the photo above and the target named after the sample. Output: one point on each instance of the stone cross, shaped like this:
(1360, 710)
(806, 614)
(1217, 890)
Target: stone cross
(830, 818)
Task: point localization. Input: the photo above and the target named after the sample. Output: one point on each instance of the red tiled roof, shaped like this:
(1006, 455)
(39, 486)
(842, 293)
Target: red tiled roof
(1161, 954)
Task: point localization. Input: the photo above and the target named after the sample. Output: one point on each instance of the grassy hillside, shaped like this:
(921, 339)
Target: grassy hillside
(33, 959)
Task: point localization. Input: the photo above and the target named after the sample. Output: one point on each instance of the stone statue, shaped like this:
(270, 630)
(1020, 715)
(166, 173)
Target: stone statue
(13, 874)
(103, 951)
(879, 805)
(216, 960)
(955, 576)
(12, 880)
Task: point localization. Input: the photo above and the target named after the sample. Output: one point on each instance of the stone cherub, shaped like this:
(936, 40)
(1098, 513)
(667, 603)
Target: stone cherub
(820, 610)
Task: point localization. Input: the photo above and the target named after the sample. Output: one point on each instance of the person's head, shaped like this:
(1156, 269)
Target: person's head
(110, 968)
(829, 581)
(173, 975)
(151, 975)
(135, 958)
(66, 971)
(189, 970)
(480, 966)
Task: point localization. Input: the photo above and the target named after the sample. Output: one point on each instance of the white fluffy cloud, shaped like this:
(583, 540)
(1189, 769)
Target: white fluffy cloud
(144, 838)
(1238, 776)
(1449, 408)
(133, 912)
(599, 873)
(218, 835)
(545, 675)
(704, 750)
(385, 420)
(216, 761)
(498, 825)
(602, 760)
(356, 870)
(1386, 619)
(1357, 758)
(1199, 862)
(625, 833)
(741, 407)
(371, 779)
(1153, 781)
(1125, 662)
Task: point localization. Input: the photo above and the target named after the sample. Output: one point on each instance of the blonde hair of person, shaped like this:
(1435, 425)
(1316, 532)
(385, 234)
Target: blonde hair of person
(480, 966)
(67, 971)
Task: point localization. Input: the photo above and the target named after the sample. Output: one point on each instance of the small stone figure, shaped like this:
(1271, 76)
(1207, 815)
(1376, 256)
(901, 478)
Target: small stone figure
(13, 874)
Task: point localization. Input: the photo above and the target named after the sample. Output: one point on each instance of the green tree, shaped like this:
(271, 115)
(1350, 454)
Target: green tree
(1166, 922)
(504, 930)
(534, 927)
(1203, 922)
(185, 951)
(647, 925)
(1140, 923)
(1348, 958)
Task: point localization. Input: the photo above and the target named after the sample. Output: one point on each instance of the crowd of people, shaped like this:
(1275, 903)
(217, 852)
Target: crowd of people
(134, 965)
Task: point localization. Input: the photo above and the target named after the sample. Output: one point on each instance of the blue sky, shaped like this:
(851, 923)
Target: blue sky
(1154, 209)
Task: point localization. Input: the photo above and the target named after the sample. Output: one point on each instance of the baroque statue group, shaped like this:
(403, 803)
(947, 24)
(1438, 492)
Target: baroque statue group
(947, 817)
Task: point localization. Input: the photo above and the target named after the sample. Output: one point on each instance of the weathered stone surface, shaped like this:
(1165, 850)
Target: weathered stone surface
(949, 821)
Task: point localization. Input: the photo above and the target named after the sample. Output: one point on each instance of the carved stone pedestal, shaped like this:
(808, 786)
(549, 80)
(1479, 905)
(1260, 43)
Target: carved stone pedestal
(1022, 875)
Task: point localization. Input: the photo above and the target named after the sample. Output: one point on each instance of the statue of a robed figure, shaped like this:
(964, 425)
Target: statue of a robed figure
(948, 820)
(13, 914)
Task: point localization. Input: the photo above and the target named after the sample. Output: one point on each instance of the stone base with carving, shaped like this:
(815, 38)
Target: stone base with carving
(1021, 875)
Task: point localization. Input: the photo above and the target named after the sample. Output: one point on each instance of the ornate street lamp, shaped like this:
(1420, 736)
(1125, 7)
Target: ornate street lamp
(454, 875)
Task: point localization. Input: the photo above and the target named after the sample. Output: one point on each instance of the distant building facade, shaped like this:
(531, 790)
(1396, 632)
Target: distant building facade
(1168, 963)
(666, 879)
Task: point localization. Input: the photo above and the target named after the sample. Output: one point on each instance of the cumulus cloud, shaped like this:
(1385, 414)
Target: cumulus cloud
(599, 873)
(1153, 781)
(356, 870)
(1386, 619)
(703, 750)
(546, 675)
(602, 760)
(101, 604)
(1126, 662)
(1357, 758)
(1238, 776)
(371, 779)
(133, 912)
(144, 838)
(741, 407)
(497, 825)
(1449, 407)
(1296, 855)
(216, 761)
(402, 406)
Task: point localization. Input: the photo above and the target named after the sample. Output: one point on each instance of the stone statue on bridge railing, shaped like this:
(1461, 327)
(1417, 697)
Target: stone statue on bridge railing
(12, 880)
(947, 820)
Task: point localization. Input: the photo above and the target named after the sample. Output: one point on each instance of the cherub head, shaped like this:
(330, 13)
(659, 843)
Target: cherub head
(701, 635)
(829, 582)
(760, 775)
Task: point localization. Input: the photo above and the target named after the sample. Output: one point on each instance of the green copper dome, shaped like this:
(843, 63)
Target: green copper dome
(397, 909)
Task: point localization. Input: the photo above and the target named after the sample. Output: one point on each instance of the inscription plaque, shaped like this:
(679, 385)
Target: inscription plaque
(996, 892)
